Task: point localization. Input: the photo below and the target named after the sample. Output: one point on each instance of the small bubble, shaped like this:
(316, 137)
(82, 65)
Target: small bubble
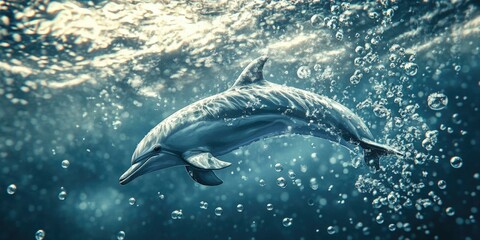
(131, 201)
(437, 101)
(269, 207)
(360, 50)
(287, 222)
(339, 35)
(389, 13)
(392, 198)
(121, 235)
(379, 218)
(161, 196)
(278, 167)
(62, 195)
(456, 162)
(65, 163)
(313, 184)
(411, 69)
(450, 211)
(177, 214)
(40, 234)
(331, 230)
(317, 21)
(262, 182)
(11, 189)
(303, 72)
(392, 227)
(291, 174)
(281, 182)
(442, 184)
(218, 211)
(239, 208)
(458, 68)
(456, 118)
(203, 205)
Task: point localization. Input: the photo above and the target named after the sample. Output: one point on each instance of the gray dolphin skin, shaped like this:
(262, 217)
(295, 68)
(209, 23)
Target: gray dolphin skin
(252, 109)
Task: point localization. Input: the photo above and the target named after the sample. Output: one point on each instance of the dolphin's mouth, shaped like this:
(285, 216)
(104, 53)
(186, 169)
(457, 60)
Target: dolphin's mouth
(131, 172)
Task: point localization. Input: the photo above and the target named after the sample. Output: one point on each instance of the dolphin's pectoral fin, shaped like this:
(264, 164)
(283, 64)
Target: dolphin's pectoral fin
(204, 177)
(206, 161)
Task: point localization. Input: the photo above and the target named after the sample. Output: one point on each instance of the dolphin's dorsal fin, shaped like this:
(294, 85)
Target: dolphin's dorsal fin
(204, 177)
(252, 74)
(206, 161)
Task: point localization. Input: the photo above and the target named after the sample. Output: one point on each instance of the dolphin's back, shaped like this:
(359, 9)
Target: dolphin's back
(270, 98)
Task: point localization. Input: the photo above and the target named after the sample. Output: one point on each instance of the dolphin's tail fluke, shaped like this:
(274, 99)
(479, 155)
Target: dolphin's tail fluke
(373, 151)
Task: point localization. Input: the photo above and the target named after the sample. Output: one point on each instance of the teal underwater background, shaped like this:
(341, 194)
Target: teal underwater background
(84, 81)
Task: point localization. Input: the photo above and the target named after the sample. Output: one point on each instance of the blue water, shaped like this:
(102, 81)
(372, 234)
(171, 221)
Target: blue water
(85, 81)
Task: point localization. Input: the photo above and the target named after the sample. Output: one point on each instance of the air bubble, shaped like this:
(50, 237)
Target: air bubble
(303, 72)
(121, 235)
(62, 195)
(40, 234)
(278, 167)
(287, 222)
(442, 184)
(379, 218)
(281, 182)
(262, 182)
(177, 214)
(437, 101)
(331, 230)
(239, 208)
(456, 118)
(456, 162)
(11, 189)
(65, 163)
(411, 69)
(450, 211)
(131, 201)
(392, 227)
(269, 207)
(218, 211)
(317, 21)
(203, 205)
(313, 184)
(161, 196)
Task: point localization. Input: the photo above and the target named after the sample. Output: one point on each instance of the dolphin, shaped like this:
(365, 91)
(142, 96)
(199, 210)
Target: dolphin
(251, 110)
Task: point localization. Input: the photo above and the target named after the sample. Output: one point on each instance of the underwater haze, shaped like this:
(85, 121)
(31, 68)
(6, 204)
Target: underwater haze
(82, 82)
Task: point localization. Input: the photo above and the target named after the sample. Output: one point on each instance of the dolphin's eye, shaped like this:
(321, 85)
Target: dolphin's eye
(156, 148)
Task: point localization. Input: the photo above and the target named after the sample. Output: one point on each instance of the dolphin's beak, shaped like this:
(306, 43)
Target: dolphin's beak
(133, 172)
(149, 163)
